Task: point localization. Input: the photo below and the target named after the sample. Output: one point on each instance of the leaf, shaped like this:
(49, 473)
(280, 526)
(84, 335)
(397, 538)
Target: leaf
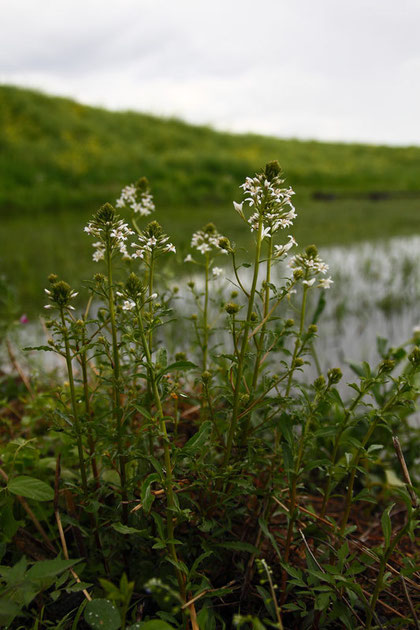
(155, 624)
(30, 488)
(49, 568)
(387, 526)
(147, 497)
(125, 529)
(240, 546)
(101, 614)
(43, 348)
(198, 440)
(178, 365)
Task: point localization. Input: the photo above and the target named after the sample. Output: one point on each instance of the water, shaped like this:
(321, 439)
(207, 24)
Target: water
(376, 293)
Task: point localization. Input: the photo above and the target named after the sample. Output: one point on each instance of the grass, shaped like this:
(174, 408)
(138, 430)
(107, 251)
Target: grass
(60, 160)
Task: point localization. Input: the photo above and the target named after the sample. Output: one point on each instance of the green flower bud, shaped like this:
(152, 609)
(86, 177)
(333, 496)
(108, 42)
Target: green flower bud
(99, 278)
(210, 228)
(272, 170)
(194, 317)
(142, 185)
(299, 362)
(414, 357)
(387, 365)
(244, 398)
(180, 356)
(298, 273)
(153, 229)
(311, 251)
(133, 286)
(52, 278)
(289, 323)
(191, 284)
(105, 214)
(206, 376)
(224, 243)
(319, 383)
(313, 328)
(253, 317)
(231, 308)
(234, 294)
(334, 376)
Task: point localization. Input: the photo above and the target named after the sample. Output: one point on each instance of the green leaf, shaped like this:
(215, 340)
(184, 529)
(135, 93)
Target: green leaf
(8, 611)
(240, 546)
(147, 497)
(198, 440)
(177, 366)
(155, 624)
(387, 526)
(30, 488)
(125, 529)
(101, 614)
(49, 568)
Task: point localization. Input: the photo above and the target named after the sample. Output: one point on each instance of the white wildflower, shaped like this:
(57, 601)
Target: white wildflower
(325, 283)
(217, 271)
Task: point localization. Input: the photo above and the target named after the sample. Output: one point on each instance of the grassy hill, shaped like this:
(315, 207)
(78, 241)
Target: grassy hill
(60, 160)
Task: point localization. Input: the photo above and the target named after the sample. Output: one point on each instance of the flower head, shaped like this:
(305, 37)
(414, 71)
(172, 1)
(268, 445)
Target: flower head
(270, 200)
(111, 232)
(60, 294)
(308, 266)
(137, 197)
(152, 239)
(207, 240)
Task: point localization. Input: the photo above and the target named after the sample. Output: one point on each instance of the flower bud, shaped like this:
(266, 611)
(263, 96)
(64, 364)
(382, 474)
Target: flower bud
(191, 284)
(253, 316)
(334, 376)
(289, 323)
(180, 356)
(299, 362)
(224, 243)
(206, 376)
(231, 308)
(387, 365)
(313, 328)
(234, 294)
(52, 278)
(414, 357)
(272, 170)
(298, 273)
(311, 251)
(319, 383)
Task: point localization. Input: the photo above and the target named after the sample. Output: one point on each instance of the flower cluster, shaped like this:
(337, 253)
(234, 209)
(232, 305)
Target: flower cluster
(59, 294)
(152, 240)
(272, 204)
(308, 266)
(111, 231)
(137, 197)
(206, 240)
(131, 293)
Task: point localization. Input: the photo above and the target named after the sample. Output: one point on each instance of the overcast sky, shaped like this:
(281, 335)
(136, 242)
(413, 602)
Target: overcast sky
(325, 69)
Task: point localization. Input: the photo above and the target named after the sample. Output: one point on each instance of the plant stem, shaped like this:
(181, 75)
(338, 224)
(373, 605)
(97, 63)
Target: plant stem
(298, 339)
(167, 455)
(205, 314)
(74, 405)
(244, 347)
(116, 388)
(265, 313)
(88, 411)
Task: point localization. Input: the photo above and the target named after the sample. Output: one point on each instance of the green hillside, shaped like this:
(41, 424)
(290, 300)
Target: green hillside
(60, 160)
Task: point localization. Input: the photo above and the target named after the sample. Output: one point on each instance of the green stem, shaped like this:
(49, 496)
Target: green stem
(74, 405)
(244, 347)
(167, 455)
(384, 561)
(116, 388)
(265, 313)
(298, 339)
(205, 314)
(88, 412)
(337, 445)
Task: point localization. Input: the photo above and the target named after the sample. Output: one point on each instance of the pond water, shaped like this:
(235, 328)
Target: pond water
(376, 293)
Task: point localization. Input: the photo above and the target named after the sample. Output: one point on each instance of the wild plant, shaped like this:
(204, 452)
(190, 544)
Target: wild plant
(218, 483)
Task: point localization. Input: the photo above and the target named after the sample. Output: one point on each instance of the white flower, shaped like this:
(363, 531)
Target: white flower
(217, 271)
(188, 258)
(309, 283)
(279, 250)
(325, 283)
(128, 305)
(265, 232)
